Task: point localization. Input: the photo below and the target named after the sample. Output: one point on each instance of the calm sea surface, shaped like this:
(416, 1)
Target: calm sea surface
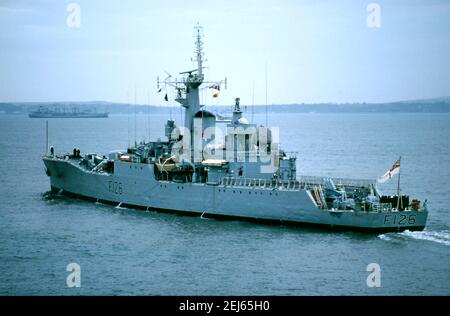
(130, 252)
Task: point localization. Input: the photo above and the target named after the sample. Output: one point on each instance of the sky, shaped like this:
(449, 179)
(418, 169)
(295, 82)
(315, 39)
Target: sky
(314, 51)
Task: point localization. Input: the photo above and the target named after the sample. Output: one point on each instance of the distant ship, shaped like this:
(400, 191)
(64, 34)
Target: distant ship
(45, 112)
(245, 177)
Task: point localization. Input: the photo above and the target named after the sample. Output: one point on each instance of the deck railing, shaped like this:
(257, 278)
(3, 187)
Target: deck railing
(338, 181)
(303, 183)
(381, 207)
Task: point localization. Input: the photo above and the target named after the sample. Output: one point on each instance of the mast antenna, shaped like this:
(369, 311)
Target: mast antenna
(148, 114)
(267, 119)
(135, 115)
(46, 137)
(199, 49)
(128, 117)
(253, 100)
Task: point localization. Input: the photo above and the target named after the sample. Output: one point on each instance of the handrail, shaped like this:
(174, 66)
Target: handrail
(381, 207)
(338, 181)
(303, 183)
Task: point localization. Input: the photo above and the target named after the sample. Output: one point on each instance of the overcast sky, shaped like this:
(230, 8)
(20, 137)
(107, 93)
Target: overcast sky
(316, 51)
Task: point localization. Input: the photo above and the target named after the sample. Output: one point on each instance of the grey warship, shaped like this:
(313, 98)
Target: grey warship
(244, 175)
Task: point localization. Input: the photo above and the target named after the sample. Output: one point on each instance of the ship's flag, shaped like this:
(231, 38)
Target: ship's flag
(390, 173)
(215, 94)
(215, 86)
(166, 98)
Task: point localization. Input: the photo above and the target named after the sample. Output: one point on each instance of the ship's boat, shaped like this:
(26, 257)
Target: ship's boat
(166, 163)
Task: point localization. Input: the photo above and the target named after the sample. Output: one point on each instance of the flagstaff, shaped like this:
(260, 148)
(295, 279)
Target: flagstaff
(399, 202)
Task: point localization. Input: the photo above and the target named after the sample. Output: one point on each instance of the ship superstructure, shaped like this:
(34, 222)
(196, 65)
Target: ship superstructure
(244, 174)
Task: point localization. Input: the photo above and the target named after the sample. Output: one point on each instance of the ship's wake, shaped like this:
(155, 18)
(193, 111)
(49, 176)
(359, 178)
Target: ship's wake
(52, 196)
(120, 207)
(441, 237)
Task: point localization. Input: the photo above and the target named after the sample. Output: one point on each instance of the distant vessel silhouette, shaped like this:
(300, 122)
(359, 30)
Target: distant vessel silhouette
(45, 112)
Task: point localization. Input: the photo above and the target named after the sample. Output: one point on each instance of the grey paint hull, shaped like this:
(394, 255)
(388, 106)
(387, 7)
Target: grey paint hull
(133, 184)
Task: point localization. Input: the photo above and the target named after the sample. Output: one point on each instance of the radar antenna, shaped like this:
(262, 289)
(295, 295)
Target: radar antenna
(187, 89)
(199, 50)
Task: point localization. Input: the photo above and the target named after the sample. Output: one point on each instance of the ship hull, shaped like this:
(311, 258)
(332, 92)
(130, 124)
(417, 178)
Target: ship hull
(133, 185)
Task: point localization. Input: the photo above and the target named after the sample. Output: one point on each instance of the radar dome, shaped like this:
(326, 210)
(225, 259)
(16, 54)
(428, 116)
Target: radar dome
(243, 120)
